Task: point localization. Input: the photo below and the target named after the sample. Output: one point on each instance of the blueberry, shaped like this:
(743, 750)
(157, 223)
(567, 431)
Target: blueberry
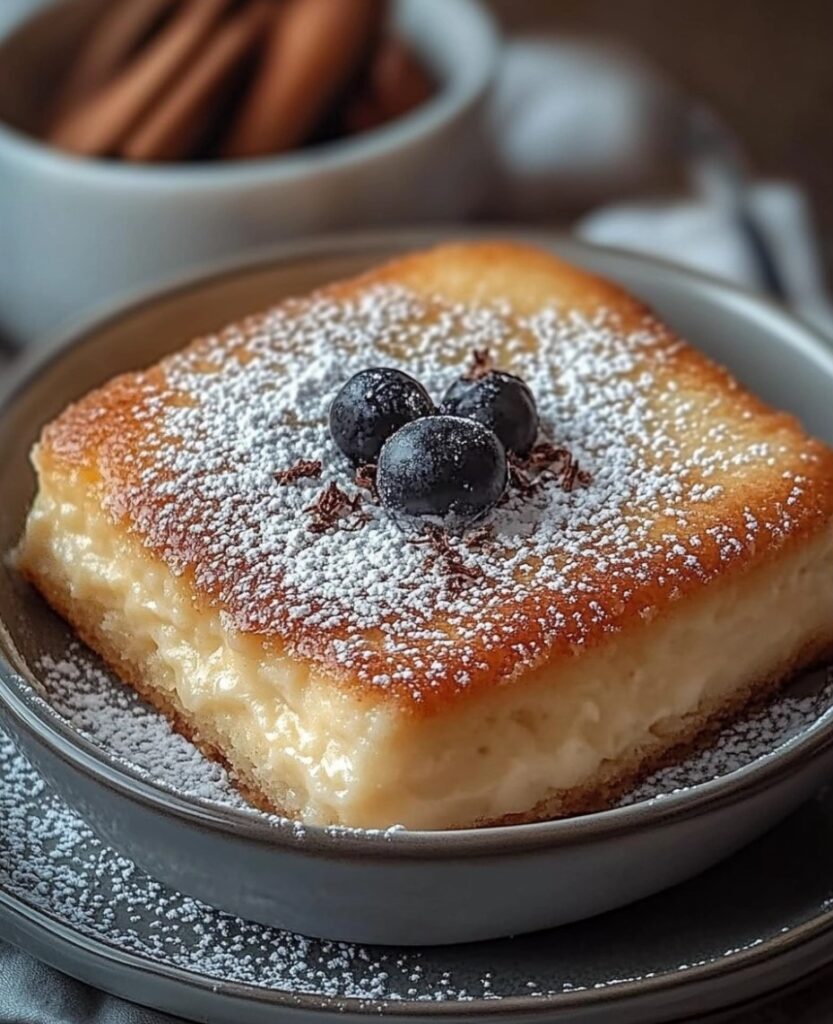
(371, 406)
(499, 401)
(445, 467)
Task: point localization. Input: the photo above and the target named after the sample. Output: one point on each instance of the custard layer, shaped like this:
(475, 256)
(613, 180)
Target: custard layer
(535, 746)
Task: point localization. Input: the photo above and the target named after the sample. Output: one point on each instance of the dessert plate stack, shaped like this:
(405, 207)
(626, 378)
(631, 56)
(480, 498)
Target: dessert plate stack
(127, 792)
(763, 918)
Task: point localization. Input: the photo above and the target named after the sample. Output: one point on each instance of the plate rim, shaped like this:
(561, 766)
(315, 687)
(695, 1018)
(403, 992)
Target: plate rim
(19, 698)
(811, 940)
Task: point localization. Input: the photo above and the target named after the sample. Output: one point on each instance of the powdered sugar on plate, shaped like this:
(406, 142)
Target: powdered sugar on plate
(129, 731)
(50, 859)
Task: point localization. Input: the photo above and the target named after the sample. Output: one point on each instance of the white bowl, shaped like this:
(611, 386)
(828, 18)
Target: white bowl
(76, 232)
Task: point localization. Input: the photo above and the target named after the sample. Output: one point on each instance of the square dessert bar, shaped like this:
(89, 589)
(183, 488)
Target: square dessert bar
(662, 557)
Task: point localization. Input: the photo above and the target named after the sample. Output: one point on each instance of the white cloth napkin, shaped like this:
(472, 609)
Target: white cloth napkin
(580, 123)
(700, 235)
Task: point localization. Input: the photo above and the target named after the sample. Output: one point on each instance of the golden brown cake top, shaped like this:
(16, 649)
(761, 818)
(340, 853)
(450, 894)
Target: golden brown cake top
(687, 475)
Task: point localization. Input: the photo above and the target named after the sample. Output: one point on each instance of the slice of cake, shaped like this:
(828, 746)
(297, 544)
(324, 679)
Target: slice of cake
(662, 555)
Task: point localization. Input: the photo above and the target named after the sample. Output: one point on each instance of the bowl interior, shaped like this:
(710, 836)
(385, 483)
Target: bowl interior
(454, 38)
(773, 354)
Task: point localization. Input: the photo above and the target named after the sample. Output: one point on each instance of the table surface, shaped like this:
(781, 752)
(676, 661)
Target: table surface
(807, 1002)
(765, 65)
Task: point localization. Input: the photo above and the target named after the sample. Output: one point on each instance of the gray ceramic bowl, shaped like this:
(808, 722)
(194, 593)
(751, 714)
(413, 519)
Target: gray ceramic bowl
(406, 887)
(77, 231)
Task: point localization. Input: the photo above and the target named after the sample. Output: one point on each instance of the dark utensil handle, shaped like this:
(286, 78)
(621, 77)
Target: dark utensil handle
(766, 267)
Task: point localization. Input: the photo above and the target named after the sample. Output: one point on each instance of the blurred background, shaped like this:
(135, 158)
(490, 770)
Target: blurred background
(764, 65)
(698, 130)
(150, 138)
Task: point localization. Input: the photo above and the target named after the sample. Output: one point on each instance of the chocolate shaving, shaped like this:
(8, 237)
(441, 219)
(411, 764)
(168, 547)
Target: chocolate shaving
(366, 479)
(546, 461)
(329, 507)
(303, 469)
(480, 538)
(574, 475)
(442, 551)
(481, 366)
(519, 477)
(545, 453)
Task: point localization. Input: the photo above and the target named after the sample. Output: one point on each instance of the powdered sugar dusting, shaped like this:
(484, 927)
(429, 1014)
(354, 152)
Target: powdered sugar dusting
(116, 719)
(239, 408)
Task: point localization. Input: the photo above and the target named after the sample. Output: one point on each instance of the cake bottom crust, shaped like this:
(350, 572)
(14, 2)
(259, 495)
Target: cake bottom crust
(680, 735)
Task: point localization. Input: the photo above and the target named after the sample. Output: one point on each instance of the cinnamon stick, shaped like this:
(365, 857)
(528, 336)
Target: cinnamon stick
(99, 125)
(177, 123)
(314, 48)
